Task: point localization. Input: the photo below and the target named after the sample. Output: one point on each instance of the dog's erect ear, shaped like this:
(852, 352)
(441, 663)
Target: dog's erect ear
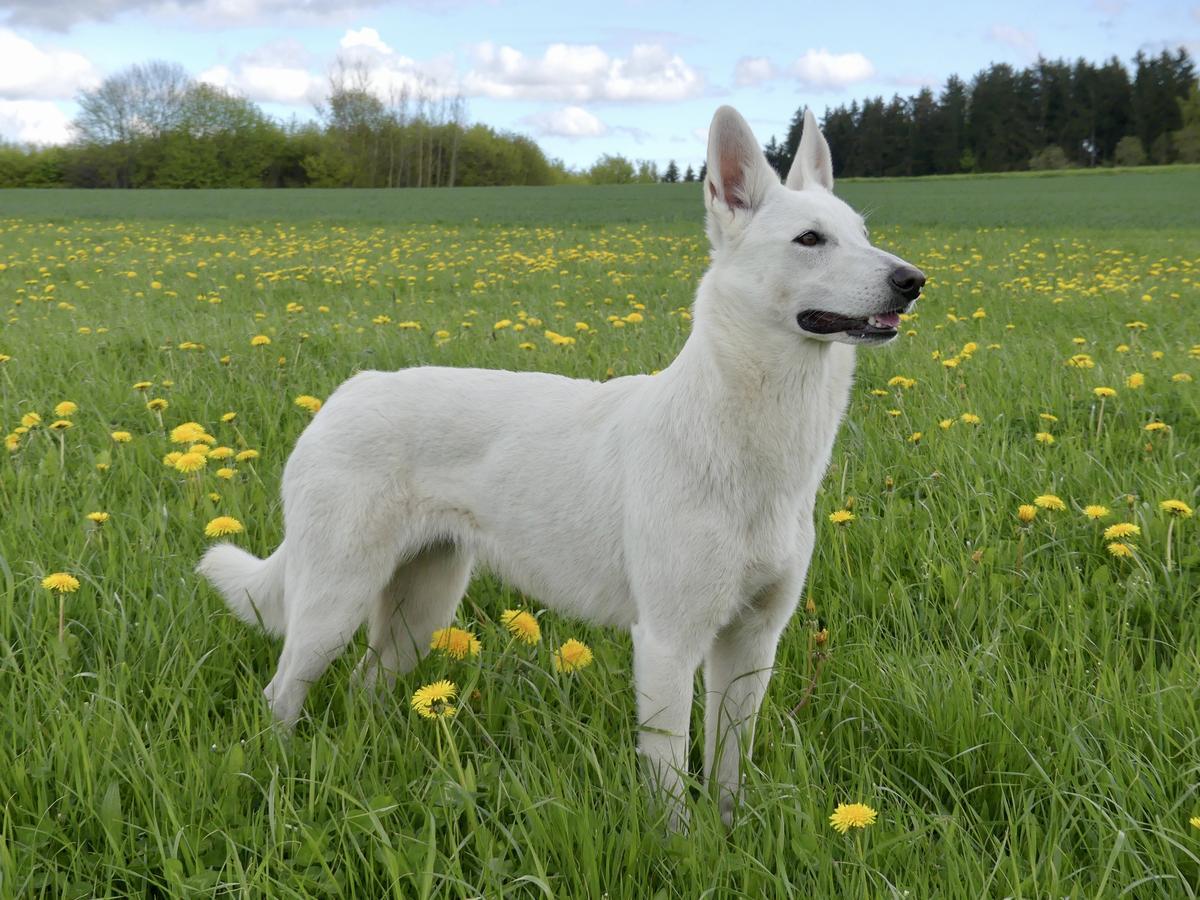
(738, 173)
(813, 165)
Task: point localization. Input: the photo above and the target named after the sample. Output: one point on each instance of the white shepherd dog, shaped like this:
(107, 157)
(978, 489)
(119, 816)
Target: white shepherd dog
(679, 505)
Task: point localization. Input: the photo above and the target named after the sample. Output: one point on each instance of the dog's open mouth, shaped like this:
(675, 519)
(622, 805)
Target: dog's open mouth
(880, 326)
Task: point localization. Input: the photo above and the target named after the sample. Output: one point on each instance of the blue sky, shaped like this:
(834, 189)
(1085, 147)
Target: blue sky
(631, 77)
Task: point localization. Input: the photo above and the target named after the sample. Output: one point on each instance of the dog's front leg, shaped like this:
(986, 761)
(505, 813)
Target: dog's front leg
(663, 672)
(736, 673)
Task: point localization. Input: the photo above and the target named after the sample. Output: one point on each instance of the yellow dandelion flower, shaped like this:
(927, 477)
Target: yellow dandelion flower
(433, 701)
(1119, 550)
(1181, 377)
(1194, 821)
(852, 815)
(1176, 508)
(66, 408)
(121, 437)
(1135, 381)
(228, 417)
(143, 385)
(1026, 513)
(307, 402)
(1048, 417)
(945, 424)
(1104, 392)
(247, 456)
(260, 340)
(841, 516)
(1121, 530)
(98, 517)
(456, 642)
(61, 583)
(572, 656)
(915, 437)
(1095, 511)
(1157, 426)
(61, 425)
(502, 324)
(220, 453)
(522, 625)
(969, 419)
(190, 462)
(226, 472)
(158, 404)
(31, 420)
(187, 433)
(12, 442)
(1049, 501)
(222, 526)
(1044, 437)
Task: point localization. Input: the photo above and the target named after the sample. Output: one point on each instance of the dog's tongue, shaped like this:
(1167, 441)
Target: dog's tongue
(888, 320)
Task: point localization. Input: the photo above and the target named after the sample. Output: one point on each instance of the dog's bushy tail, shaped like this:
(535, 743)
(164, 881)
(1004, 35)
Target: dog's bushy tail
(252, 587)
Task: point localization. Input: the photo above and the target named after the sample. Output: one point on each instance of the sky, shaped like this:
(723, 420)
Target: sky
(583, 79)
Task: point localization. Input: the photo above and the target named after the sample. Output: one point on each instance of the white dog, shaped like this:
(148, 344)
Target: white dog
(678, 505)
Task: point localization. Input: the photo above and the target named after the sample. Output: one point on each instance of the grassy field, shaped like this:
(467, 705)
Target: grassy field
(1017, 699)
(1111, 198)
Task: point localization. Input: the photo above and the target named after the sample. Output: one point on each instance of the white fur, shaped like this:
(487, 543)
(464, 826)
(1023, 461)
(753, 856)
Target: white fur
(679, 506)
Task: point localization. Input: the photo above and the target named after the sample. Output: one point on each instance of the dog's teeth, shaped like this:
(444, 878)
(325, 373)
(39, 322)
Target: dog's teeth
(873, 322)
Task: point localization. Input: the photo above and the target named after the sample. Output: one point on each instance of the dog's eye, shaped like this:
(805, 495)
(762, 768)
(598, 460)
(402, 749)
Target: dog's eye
(808, 239)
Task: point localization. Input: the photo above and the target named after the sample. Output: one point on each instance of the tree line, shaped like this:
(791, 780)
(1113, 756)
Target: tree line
(1051, 114)
(152, 125)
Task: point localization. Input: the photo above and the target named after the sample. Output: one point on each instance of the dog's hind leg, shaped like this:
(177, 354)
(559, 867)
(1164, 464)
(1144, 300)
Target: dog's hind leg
(420, 597)
(329, 586)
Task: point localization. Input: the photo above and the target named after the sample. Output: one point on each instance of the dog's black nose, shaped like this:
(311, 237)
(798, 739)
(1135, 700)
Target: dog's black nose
(908, 280)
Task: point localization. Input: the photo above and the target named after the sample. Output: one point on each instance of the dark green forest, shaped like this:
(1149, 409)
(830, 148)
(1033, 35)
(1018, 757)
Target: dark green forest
(1050, 115)
(152, 126)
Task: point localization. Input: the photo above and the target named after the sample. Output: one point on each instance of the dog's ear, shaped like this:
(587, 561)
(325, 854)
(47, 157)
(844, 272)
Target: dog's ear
(813, 165)
(738, 174)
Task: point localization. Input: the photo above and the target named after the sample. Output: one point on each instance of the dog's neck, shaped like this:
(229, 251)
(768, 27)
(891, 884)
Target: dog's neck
(768, 402)
(759, 367)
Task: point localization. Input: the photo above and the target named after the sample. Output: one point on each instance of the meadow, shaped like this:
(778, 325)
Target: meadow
(1001, 655)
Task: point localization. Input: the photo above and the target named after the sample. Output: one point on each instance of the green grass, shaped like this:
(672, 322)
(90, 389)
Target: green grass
(1019, 706)
(1153, 197)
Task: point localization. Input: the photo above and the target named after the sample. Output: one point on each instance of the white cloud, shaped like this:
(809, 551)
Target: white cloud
(821, 69)
(1022, 41)
(365, 37)
(578, 73)
(34, 122)
(389, 74)
(279, 84)
(752, 70)
(61, 15)
(30, 72)
(290, 85)
(278, 72)
(570, 122)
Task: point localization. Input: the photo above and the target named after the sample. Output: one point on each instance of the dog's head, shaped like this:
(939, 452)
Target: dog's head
(805, 253)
